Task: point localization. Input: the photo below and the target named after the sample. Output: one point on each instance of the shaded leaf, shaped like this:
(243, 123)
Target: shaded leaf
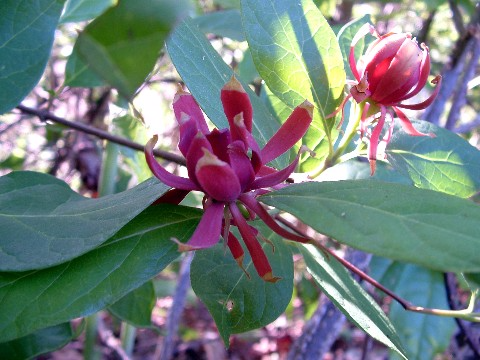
(83, 10)
(78, 74)
(39, 342)
(205, 73)
(423, 336)
(397, 221)
(43, 222)
(89, 283)
(445, 163)
(123, 44)
(237, 303)
(350, 298)
(136, 307)
(297, 54)
(27, 31)
(226, 23)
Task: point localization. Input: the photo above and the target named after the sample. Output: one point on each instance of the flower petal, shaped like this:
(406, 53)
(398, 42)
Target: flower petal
(172, 196)
(363, 31)
(217, 178)
(260, 260)
(184, 102)
(237, 251)
(289, 133)
(240, 132)
(241, 164)
(374, 140)
(195, 152)
(437, 81)
(188, 129)
(208, 230)
(220, 140)
(407, 125)
(162, 174)
(235, 101)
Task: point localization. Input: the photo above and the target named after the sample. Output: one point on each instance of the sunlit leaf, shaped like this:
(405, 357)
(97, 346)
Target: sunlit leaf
(237, 303)
(140, 250)
(83, 10)
(43, 222)
(297, 54)
(27, 30)
(350, 298)
(397, 221)
(445, 163)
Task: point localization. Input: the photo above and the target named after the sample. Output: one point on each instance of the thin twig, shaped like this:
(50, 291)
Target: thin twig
(46, 115)
(107, 337)
(465, 314)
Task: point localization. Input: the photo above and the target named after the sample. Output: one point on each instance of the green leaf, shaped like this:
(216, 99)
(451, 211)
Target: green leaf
(140, 250)
(397, 221)
(27, 31)
(78, 74)
(350, 298)
(83, 10)
(297, 54)
(423, 336)
(445, 163)
(123, 44)
(237, 303)
(39, 342)
(205, 73)
(226, 23)
(136, 307)
(345, 37)
(43, 222)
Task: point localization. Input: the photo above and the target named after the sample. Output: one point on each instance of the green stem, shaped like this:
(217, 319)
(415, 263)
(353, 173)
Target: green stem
(350, 133)
(106, 186)
(91, 324)
(127, 337)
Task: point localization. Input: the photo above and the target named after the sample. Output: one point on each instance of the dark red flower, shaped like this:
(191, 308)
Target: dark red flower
(230, 169)
(393, 69)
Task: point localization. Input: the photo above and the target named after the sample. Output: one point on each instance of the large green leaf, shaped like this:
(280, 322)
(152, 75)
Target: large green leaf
(237, 303)
(39, 342)
(298, 56)
(445, 163)
(423, 336)
(350, 298)
(123, 44)
(83, 10)
(43, 222)
(136, 307)
(205, 73)
(401, 222)
(78, 73)
(140, 250)
(27, 30)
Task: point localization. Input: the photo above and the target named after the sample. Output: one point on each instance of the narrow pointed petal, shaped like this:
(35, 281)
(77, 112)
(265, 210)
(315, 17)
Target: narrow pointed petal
(240, 132)
(263, 214)
(236, 101)
(406, 124)
(241, 164)
(374, 140)
(162, 174)
(437, 81)
(208, 230)
(237, 251)
(188, 129)
(276, 177)
(185, 103)
(289, 133)
(217, 178)
(363, 31)
(259, 259)
(340, 108)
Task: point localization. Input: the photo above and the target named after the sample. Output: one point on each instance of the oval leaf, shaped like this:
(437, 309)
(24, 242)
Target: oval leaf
(83, 10)
(445, 163)
(297, 54)
(350, 298)
(27, 31)
(397, 221)
(89, 283)
(237, 303)
(43, 222)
